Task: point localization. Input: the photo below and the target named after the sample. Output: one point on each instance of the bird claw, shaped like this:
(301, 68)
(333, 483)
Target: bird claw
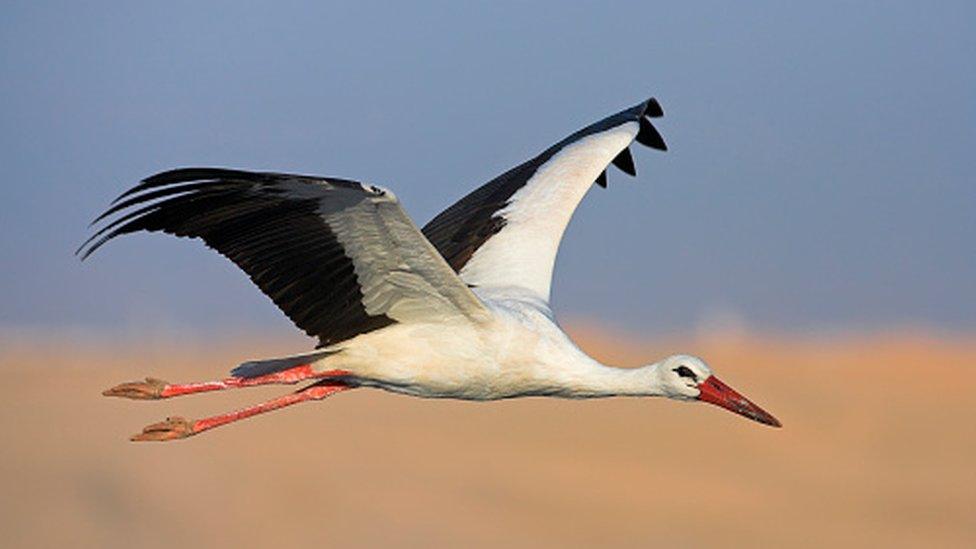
(172, 429)
(150, 389)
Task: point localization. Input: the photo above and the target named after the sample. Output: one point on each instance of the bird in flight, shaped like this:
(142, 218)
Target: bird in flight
(458, 309)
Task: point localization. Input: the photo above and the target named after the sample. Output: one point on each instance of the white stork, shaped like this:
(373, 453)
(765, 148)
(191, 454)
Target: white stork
(459, 309)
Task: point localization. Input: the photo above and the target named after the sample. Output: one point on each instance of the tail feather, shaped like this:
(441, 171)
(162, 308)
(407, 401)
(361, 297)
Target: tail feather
(257, 368)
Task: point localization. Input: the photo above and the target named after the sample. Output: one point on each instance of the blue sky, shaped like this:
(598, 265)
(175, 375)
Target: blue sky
(821, 171)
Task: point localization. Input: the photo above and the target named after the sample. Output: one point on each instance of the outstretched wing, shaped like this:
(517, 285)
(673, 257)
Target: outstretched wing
(338, 257)
(506, 233)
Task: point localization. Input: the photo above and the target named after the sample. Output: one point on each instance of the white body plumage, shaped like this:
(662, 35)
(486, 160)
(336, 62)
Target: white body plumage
(520, 351)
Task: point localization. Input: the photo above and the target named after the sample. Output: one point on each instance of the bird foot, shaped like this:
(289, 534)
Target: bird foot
(172, 429)
(150, 389)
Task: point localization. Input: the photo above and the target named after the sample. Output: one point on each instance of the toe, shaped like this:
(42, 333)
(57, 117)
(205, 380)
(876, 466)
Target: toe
(171, 429)
(150, 389)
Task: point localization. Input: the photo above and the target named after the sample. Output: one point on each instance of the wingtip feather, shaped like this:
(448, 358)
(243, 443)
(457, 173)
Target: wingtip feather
(648, 136)
(601, 179)
(625, 161)
(652, 109)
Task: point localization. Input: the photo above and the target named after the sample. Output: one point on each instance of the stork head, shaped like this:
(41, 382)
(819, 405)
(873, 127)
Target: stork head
(685, 377)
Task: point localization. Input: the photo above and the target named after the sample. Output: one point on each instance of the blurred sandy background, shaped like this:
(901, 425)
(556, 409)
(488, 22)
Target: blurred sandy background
(877, 449)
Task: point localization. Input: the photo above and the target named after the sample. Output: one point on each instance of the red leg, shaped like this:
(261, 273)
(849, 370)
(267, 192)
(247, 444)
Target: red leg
(176, 427)
(152, 389)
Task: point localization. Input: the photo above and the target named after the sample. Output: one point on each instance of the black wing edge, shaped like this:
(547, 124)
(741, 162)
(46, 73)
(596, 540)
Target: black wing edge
(280, 241)
(461, 229)
(172, 184)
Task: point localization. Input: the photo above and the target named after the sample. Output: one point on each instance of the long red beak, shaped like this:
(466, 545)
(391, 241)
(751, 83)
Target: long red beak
(715, 392)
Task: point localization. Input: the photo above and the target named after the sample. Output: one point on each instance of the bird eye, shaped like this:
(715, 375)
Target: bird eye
(685, 371)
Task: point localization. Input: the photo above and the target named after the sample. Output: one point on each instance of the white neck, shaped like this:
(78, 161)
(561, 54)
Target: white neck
(591, 379)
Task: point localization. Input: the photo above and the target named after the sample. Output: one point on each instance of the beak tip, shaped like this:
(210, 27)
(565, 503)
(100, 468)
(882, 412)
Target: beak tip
(761, 416)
